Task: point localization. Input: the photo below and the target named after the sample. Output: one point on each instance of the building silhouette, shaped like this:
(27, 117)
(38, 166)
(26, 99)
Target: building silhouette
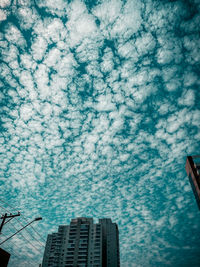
(193, 171)
(83, 244)
(4, 258)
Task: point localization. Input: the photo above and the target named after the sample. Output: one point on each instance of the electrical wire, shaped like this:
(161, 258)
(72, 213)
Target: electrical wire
(30, 233)
(24, 219)
(7, 204)
(22, 235)
(32, 262)
(32, 228)
(4, 208)
(26, 222)
(25, 237)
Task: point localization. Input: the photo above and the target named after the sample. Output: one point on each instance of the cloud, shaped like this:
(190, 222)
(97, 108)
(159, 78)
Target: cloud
(187, 99)
(3, 15)
(4, 3)
(99, 108)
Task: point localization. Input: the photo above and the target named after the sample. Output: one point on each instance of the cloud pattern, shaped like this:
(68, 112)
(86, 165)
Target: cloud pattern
(99, 108)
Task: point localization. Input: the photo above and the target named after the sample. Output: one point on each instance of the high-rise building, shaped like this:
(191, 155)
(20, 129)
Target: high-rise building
(83, 244)
(193, 171)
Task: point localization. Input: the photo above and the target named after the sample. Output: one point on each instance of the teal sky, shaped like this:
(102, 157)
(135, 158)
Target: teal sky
(100, 105)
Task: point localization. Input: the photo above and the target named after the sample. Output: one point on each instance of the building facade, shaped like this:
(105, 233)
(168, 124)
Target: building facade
(4, 258)
(193, 171)
(83, 244)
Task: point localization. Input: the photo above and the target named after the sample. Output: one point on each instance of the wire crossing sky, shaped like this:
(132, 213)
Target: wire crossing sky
(99, 107)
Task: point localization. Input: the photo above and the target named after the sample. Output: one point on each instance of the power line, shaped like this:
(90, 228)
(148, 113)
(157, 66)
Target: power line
(38, 233)
(34, 238)
(9, 217)
(23, 218)
(26, 222)
(32, 228)
(3, 208)
(30, 233)
(7, 204)
(32, 262)
(26, 238)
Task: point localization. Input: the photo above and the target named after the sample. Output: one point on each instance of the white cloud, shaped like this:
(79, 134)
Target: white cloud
(39, 47)
(86, 106)
(26, 112)
(3, 15)
(28, 16)
(107, 12)
(66, 65)
(80, 23)
(190, 78)
(187, 98)
(4, 3)
(128, 50)
(124, 157)
(129, 21)
(13, 35)
(42, 80)
(105, 103)
(145, 43)
(165, 56)
(59, 9)
(52, 58)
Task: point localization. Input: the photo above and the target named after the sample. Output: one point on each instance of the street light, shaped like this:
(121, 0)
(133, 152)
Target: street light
(36, 219)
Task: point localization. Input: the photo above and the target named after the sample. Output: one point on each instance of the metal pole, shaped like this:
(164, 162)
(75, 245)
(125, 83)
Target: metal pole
(2, 223)
(6, 216)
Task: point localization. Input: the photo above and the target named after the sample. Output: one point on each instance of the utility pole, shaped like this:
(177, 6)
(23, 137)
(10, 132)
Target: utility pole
(6, 216)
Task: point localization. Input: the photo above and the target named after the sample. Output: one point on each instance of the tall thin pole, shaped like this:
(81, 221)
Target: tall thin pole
(2, 223)
(4, 217)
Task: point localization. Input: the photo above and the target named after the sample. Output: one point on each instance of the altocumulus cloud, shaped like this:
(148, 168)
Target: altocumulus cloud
(99, 108)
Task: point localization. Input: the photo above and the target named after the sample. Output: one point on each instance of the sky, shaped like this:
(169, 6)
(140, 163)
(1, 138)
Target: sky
(99, 108)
